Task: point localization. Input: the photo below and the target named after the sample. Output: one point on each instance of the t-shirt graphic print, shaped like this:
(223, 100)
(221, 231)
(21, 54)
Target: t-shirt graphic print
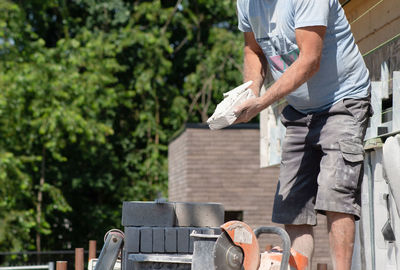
(279, 51)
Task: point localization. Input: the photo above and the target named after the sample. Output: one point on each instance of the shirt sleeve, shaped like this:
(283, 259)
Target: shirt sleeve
(242, 10)
(311, 13)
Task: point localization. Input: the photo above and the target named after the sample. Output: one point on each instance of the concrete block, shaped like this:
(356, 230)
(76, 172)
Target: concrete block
(217, 230)
(149, 214)
(191, 239)
(203, 253)
(183, 240)
(189, 214)
(170, 240)
(126, 264)
(158, 265)
(158, 240)
(132, 239)
(214, 230)
(206, 231)
(146, 240)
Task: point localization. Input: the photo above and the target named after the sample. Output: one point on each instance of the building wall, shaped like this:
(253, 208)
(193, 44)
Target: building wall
(376, 28)
(177, 169)
(224, 167)
(373, 22)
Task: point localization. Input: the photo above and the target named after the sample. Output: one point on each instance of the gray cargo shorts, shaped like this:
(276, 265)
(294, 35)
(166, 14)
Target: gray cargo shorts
(322, 162)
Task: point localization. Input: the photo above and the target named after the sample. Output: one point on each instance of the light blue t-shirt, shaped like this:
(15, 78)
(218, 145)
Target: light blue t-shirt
(342, 72)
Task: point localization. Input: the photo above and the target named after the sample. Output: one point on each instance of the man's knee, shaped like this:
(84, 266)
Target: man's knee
(302, 238)
(336, 217)
(299, 229)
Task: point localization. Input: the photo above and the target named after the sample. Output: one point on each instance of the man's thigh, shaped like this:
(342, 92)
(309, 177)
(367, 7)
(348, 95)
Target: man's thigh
(297, 186)
(341, 167)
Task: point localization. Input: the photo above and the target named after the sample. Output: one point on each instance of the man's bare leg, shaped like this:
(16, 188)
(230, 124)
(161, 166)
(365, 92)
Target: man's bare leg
(341, 239)
(302, 238)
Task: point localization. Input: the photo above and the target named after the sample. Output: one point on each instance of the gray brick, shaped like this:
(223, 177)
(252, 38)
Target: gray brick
(158, 240)
(158, 265)
(217, 230)
(183, 240)
(132, 239)
(214, 230)
(207, 231)
(190, 214)
(148, 214)
(170, 240)
(146, 240)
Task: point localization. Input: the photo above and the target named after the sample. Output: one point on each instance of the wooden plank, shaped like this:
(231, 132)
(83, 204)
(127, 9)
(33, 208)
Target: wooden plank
(396, 101)
(387, 53)
(61, 265)
(79, 258)
(376, 102)
(377, 25)
(355, 8)
(92, 249)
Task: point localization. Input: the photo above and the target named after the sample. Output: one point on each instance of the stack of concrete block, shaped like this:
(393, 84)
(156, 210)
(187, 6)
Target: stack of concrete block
(157, 235)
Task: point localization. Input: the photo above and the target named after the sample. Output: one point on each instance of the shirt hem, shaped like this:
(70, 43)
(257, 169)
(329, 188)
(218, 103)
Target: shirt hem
(320, 109)
(310, 23)
(245, 29)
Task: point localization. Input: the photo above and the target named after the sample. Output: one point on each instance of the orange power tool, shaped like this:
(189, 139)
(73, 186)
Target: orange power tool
(237, 249)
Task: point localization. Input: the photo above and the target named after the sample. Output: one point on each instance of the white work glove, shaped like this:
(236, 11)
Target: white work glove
(224, 113)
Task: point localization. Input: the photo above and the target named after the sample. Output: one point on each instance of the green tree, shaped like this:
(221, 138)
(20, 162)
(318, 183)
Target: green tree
(92, 92)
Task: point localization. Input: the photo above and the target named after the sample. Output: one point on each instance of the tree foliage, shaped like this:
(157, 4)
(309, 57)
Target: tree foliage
(92, 91)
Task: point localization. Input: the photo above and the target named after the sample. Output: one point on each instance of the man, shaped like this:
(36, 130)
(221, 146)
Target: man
(318, 68)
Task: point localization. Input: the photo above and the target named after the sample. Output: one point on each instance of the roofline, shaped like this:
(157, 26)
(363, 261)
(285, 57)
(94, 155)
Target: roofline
(237, 126)
(205, 126)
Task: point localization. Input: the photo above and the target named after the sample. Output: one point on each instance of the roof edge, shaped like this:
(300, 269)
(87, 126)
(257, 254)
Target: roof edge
(205, 126)
(236, 126)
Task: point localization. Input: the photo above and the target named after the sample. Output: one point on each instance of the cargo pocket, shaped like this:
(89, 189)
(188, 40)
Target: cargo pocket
(352, 150)
(350, 165)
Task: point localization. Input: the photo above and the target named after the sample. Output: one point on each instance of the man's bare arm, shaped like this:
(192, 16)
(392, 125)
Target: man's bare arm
(310, 42)
(255, 63)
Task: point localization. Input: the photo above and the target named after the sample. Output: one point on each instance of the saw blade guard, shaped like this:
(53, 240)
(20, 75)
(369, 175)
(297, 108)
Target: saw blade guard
(243, 236)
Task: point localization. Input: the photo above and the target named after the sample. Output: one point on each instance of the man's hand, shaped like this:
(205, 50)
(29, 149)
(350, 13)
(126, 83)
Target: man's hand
(247, 110)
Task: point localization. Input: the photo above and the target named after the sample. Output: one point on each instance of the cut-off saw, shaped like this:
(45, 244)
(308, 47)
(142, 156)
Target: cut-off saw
(237, 248)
